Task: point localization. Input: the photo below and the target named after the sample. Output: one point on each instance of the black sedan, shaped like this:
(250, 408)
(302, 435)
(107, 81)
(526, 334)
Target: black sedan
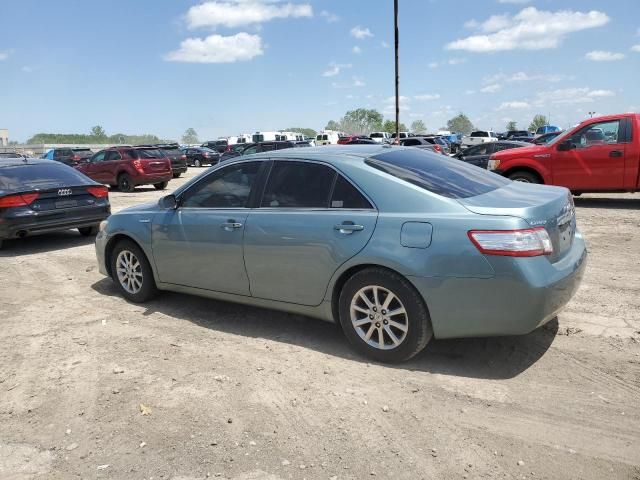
(199, 156)
(478, 155)
(38, 196)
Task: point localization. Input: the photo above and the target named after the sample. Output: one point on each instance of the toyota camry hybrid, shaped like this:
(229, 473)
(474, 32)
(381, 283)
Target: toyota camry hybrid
(396, 244)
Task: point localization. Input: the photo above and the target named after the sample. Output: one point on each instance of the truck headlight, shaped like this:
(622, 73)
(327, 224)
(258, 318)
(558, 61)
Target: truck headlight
(493, 164)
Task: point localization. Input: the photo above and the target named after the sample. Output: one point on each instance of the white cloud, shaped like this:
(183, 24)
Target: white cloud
(517, 105)
(329, 17)
(635, 48)
(469, 92)
(515, 2)
(530, 29)
(600, 93)
(433, 65)
(360, 33)
(567, 96)
(427, 96)
(356, 82)
(218, 49)
(603, 56)
(456, 61)
(27, 69)
(523, 77)
(491, 88)
(473, 23)
(235, 13)
(390, 104)
(335, 69)
(4, 55)
(357, 50)
(384, 44)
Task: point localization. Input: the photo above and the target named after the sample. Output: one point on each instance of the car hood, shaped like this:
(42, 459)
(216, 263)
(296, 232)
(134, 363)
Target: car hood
(148, 207)
(522, 151)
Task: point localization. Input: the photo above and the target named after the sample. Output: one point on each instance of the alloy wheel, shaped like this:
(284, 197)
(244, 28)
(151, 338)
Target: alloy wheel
(379, 317)
(129, 272)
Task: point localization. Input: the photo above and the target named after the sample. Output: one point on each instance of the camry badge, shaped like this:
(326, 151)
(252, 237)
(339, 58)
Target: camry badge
(64, 192)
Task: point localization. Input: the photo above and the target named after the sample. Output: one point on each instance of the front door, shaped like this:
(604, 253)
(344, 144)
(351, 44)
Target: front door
(199, 244)
(597, 160)
(311, 220)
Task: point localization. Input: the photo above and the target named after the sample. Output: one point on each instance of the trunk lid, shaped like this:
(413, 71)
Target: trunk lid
(539, 205)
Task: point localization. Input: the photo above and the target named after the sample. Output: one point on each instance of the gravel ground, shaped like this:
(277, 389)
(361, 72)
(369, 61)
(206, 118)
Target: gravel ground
(185, 388)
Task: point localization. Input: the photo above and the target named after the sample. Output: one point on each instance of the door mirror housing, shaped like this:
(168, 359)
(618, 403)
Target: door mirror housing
(566, 146)
(168, 202)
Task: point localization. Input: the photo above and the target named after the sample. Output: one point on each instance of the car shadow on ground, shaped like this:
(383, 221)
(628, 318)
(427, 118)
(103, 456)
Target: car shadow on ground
(44, 243)
(607, 202)
(489, 358)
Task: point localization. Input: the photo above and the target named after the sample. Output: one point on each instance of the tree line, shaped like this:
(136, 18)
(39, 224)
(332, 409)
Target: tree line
(97, 135)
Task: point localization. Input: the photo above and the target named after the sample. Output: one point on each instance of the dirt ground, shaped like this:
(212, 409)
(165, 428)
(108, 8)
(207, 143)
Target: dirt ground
(186, 388)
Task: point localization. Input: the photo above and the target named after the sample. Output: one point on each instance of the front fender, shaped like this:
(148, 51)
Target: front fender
(137, 228)
(527, 163)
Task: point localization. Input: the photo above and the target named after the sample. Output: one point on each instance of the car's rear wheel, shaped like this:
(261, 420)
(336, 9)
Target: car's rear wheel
(88, 231)
(383, 316)
(160, 185)
(524, 176)
(132, 273)
(124, 183)
(197, 163)
(176, 175)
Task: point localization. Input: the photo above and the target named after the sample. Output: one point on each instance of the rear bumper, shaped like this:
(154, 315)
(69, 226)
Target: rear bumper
(179, 167)
(525, 294)
(39, 223)
(150, 178)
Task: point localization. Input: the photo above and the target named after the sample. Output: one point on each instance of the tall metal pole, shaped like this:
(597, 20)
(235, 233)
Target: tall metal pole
(395, 25)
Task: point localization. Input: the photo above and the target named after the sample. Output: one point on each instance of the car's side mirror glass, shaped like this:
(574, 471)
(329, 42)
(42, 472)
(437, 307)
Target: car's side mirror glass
(566, 146)
(169, 202)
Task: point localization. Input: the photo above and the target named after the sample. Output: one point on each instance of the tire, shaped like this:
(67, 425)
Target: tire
(88, 231)
(197, 163)
(416, 321)
(124, 183)
(160, 185)
(524, 176)
(176, 175)
(127, 250)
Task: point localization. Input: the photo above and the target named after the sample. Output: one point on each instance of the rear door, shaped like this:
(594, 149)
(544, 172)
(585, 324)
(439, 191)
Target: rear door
(199, 244)
(311, 220)
(477, 155)
(596, 163)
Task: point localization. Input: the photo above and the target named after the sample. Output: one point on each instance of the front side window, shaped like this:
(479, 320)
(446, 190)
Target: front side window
(113, 155)
(229, 187)
(597, 134)
(298, 185)
(98, 157)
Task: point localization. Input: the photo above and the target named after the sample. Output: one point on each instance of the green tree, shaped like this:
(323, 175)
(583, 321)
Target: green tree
(460, 124)
(390, 126)
(190, 136)
(418, 126)
(537, 122)
(512, 125)
(98, 132)
(309, 132)
(361, 121)
(332, 125)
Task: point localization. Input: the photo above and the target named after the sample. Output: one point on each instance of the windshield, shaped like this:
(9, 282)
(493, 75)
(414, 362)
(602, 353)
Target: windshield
(436, 174)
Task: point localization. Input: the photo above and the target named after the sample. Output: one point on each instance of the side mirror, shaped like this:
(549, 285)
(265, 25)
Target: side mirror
(169, 202)
(566, 146)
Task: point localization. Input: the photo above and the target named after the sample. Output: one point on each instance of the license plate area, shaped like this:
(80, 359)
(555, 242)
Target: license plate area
(66, 203)
(565, 235)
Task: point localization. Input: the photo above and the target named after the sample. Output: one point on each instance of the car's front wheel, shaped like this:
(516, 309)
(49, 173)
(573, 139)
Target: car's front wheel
(383, 316)
(132, 273)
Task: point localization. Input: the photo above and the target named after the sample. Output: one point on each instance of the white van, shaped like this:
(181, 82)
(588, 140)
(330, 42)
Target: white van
(327, 137)
(264, 137)
(380, 137)
(292, 136)
(242, 138)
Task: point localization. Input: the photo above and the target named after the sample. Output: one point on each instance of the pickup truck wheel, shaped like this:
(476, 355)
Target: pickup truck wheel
(522, 176)
(160, 185)
(124, 183)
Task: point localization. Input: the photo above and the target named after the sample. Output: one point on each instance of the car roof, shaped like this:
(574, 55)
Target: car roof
(10, 162)
(330, 154)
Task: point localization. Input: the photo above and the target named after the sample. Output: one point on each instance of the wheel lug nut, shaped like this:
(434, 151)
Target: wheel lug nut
(378, 324)
(385, 322)
(384, 312)
(375, 309)
(371, 317)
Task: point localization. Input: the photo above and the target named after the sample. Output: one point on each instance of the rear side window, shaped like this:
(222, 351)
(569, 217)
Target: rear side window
(31, 176)
(440, 176)
(298, 185)
(148, 153)
(346, 195)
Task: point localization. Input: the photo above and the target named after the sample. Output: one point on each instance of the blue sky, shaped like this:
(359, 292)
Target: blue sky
(229, 66)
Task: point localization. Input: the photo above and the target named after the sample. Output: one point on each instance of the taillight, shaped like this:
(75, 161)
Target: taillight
(98, 192)
(528, 242)
(137, 164)
(183, 157)
(438, 148)
(20, 200)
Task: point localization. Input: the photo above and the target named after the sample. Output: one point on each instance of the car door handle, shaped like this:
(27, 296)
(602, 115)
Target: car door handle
(348, 228)
(615, 153)
(231, 225)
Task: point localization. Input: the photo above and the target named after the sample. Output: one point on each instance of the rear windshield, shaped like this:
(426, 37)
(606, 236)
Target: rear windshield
(39, 176)
(376, 135)
(82, 152)
(436, 174)
(479, 134)
(148, 153)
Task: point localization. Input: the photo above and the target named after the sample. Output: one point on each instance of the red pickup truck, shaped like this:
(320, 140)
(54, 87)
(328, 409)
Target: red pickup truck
(601, 154)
